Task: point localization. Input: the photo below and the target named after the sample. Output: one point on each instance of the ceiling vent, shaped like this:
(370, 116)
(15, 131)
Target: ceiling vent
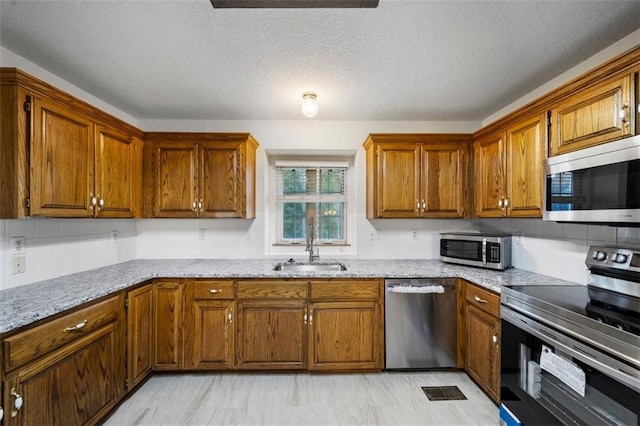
(293, 4)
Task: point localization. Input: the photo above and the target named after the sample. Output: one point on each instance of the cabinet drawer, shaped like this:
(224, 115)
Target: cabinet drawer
(212, 289)
(345, 289)
(483, 299)
(276, 289)
(54, 334)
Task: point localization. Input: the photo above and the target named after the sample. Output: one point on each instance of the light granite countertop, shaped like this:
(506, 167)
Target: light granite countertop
(21, 306)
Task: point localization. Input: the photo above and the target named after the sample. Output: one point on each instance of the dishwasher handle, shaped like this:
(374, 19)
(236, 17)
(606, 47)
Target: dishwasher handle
(413, 289)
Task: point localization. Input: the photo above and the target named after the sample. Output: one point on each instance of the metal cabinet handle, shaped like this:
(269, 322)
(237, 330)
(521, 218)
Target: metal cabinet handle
(100, 202)
(506, 203)
(230, 316)
(477, 299)
(214, 291)
(418, 205)
(494, 339)
(194, 205)
(424, 205)
(200, 204)
(76, 327)
(1, 414)
(93, 201)
(305, 315)
(311, 318)
(17, 402)
(500, 203)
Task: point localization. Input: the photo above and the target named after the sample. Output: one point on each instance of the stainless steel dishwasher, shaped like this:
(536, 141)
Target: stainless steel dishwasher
(420, 323)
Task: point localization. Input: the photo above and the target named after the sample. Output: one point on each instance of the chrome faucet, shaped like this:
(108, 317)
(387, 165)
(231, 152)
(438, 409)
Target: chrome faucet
(311, 231)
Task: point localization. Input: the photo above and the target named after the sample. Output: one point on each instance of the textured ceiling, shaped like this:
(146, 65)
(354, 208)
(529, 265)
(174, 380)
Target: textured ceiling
(405, 60)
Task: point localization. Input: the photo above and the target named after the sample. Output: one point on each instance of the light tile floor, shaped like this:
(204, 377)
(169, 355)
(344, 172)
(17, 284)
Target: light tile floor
(389, 398)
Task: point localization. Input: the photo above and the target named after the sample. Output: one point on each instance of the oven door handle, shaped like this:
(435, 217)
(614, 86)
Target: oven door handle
(596, 359)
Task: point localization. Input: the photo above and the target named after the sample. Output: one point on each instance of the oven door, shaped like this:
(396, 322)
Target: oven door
(546, 381)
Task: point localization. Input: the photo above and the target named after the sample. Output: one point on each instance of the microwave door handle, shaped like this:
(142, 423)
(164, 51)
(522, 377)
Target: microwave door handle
(484, 251)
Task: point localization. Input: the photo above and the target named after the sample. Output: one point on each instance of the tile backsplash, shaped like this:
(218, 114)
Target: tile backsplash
(56, 247)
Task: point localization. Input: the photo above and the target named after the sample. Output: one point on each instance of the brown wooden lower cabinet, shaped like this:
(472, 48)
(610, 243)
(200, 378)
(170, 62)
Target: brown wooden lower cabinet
(345, 336)
(76, 383)
(168, 322)
(482, 339)
(272, 335)
(139, 334)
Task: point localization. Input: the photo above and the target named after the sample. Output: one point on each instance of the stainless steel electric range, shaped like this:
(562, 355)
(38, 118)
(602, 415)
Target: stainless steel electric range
(571, 354)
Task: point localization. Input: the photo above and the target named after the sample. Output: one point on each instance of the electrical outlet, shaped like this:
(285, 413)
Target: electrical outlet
(374, 234)
(114, 236)
(414, 234)
(18, 264)
(202, 234)
(18, 245)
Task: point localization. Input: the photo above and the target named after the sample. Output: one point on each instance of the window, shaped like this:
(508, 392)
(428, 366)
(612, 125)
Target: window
(318, 192)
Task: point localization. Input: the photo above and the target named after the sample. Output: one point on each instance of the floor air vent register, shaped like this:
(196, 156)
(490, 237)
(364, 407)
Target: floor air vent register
(443, 393)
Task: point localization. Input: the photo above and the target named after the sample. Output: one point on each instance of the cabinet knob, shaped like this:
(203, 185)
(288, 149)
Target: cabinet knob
(418, 205)
(424, 205)
(1, 414)
(623, 114)
(506, 203)
(200, 204)
(93, 201)
(100, 202)
(17, 402)
(230, 316)
(500, 203)
(76, 327)
(194, 205)
(214, 291)
(494, 339)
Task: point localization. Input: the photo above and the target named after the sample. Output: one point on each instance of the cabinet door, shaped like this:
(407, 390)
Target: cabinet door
(139, 334)
(222, 179)
(210, 336)
(345, 336)
(116, 179)
(62, 161)
(489, 176)
(175, 179)
(482, 349)
(397, 183)
(443, 180)
(76, 385)
(168, 301)
(524, 157)
(271, 335)
(593, 116)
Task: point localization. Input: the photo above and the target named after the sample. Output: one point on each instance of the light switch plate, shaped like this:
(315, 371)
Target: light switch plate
(18, 245)
(18, 264)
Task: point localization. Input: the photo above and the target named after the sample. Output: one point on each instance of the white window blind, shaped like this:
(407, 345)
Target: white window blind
(317, 190)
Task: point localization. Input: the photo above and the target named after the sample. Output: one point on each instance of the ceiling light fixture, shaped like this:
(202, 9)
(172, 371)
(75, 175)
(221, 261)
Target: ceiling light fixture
(309, 104)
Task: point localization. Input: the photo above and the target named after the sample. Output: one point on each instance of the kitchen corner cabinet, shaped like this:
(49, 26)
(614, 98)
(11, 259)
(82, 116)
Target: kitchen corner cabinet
(200, 175)
(482, 338)
(508, 170)
(272, 325)
(416, 176)
(139, 334)
(168, 322)
(70, 370)
(210, 325)
(595, 115)
(64, 158)
(345, 325)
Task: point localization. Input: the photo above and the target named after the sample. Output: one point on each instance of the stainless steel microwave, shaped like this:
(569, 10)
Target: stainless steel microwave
(492, 251)
(600, 184)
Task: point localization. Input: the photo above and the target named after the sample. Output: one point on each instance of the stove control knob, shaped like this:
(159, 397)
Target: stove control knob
(594, 254)
(620, 258)
(600, 255)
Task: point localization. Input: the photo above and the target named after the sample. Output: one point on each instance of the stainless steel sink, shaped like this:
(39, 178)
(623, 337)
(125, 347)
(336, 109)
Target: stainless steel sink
(310, 267)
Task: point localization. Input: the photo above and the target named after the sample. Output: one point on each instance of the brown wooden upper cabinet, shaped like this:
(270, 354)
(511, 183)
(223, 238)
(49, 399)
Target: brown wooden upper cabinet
(599, 114)
(200, 175)
(508, 170)
(416, 175)
(64, 158)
